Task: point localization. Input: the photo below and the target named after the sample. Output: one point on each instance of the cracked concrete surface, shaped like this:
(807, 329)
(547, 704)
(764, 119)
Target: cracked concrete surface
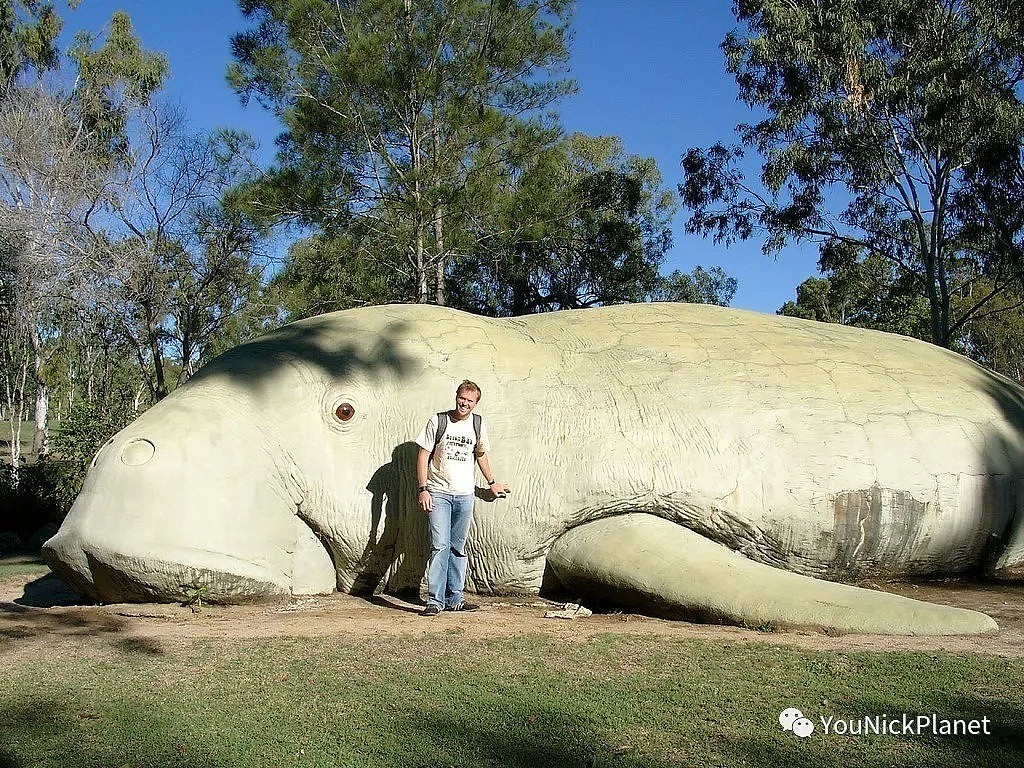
(752, 430)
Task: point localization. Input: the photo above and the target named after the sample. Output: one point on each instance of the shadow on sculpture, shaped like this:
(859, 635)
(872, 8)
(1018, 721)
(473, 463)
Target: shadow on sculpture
(1004, 463)
(395, 557)
(397, 549)
(252, 364)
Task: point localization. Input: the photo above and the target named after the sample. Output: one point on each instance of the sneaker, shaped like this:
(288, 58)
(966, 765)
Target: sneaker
(430, 610)
(464, 606)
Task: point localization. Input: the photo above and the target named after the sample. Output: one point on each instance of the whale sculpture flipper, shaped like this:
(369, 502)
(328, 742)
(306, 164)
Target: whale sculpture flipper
(644, 561)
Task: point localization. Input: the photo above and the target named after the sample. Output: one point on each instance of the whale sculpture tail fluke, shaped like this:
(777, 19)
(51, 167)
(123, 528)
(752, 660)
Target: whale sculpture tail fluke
(653, 564)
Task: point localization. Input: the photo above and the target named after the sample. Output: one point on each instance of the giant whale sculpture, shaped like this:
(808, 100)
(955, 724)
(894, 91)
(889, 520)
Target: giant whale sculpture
(687, 460)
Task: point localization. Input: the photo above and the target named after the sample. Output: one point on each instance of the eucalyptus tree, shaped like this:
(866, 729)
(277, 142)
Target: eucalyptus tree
(867, 293)
(47, 184)
(178, 259)
(879, 117)
(28, 38)
(55, 165)
(699, 286)
(391, 110)
(579, 225)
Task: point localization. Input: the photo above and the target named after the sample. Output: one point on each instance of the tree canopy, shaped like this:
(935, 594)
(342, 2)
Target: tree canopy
(581, 224)
(882, 120)
(392, 110)
(28, 38)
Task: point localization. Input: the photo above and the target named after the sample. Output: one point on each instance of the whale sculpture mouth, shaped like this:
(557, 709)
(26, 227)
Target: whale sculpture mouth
(244, 563)
(109, 576)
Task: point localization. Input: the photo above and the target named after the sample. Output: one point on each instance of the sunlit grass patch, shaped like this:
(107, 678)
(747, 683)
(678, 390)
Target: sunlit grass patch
(436, 700)
(20, 565)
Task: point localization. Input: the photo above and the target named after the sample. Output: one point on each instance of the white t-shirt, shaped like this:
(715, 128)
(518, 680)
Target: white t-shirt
(451, 470)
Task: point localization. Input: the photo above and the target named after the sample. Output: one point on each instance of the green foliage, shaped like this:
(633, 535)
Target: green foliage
(996, 338)
(326, 274)
(393, 112)
(44, 491)
(84, 430)
(37, 494)
(864, 292)
(580, 224)
(194, 594)
(28, 38)
(112, 77)
(182, 272)
(701, 286)
(880, 117)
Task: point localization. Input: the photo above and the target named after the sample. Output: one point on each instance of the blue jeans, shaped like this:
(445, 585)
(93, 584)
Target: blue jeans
(449, 528)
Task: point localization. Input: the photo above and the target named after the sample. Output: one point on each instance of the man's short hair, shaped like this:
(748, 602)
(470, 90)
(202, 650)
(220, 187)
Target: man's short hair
(471, 386)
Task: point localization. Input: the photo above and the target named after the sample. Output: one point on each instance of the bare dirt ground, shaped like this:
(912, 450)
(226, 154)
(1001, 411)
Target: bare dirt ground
(36, 610)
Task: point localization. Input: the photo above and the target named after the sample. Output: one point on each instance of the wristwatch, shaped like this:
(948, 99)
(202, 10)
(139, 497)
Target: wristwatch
(491, 482)
(421, 489)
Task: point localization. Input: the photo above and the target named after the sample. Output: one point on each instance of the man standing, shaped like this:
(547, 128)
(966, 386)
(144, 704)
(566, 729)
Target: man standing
(445, 475)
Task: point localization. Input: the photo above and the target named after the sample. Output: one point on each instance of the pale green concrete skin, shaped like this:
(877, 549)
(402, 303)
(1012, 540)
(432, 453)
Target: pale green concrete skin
(826, 451)
(652, 563)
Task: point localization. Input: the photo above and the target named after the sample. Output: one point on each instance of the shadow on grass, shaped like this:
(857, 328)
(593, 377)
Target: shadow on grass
(48, 592)
(19, 623)
(549, 737)
(47, 731)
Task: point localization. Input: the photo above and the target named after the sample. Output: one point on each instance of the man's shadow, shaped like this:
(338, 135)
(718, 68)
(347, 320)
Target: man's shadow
(395, 558)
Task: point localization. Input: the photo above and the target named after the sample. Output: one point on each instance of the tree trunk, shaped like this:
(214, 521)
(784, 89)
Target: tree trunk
(16, 408)
(422, 289)
(105, 381)
(442, 257)
(40, 441)
(40, 438)
(187, 351)
(90, 372)
(153, 340)
(416, 152)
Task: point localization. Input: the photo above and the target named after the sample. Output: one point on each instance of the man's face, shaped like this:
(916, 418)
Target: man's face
(465, 402)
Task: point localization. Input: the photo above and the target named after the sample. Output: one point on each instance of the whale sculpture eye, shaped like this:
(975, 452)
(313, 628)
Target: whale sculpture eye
(342, 409)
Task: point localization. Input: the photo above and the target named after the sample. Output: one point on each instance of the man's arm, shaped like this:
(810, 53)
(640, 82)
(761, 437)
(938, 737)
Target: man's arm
(423, 497)
(498, 489)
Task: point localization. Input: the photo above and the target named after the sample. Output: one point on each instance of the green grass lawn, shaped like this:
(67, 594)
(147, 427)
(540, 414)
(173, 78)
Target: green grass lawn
(442, 700)
(18, 565)
(28, 429)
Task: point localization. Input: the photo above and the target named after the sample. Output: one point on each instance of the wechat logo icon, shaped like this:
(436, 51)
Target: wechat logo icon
(792, 719)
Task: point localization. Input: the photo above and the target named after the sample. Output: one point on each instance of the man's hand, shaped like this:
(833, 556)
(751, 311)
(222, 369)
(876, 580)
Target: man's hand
(500, 490)
(426, 502)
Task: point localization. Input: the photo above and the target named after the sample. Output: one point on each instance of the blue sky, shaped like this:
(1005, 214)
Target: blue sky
(649, 71)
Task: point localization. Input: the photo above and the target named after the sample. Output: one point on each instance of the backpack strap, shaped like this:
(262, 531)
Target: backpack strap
(477, 421)
(442, 425)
